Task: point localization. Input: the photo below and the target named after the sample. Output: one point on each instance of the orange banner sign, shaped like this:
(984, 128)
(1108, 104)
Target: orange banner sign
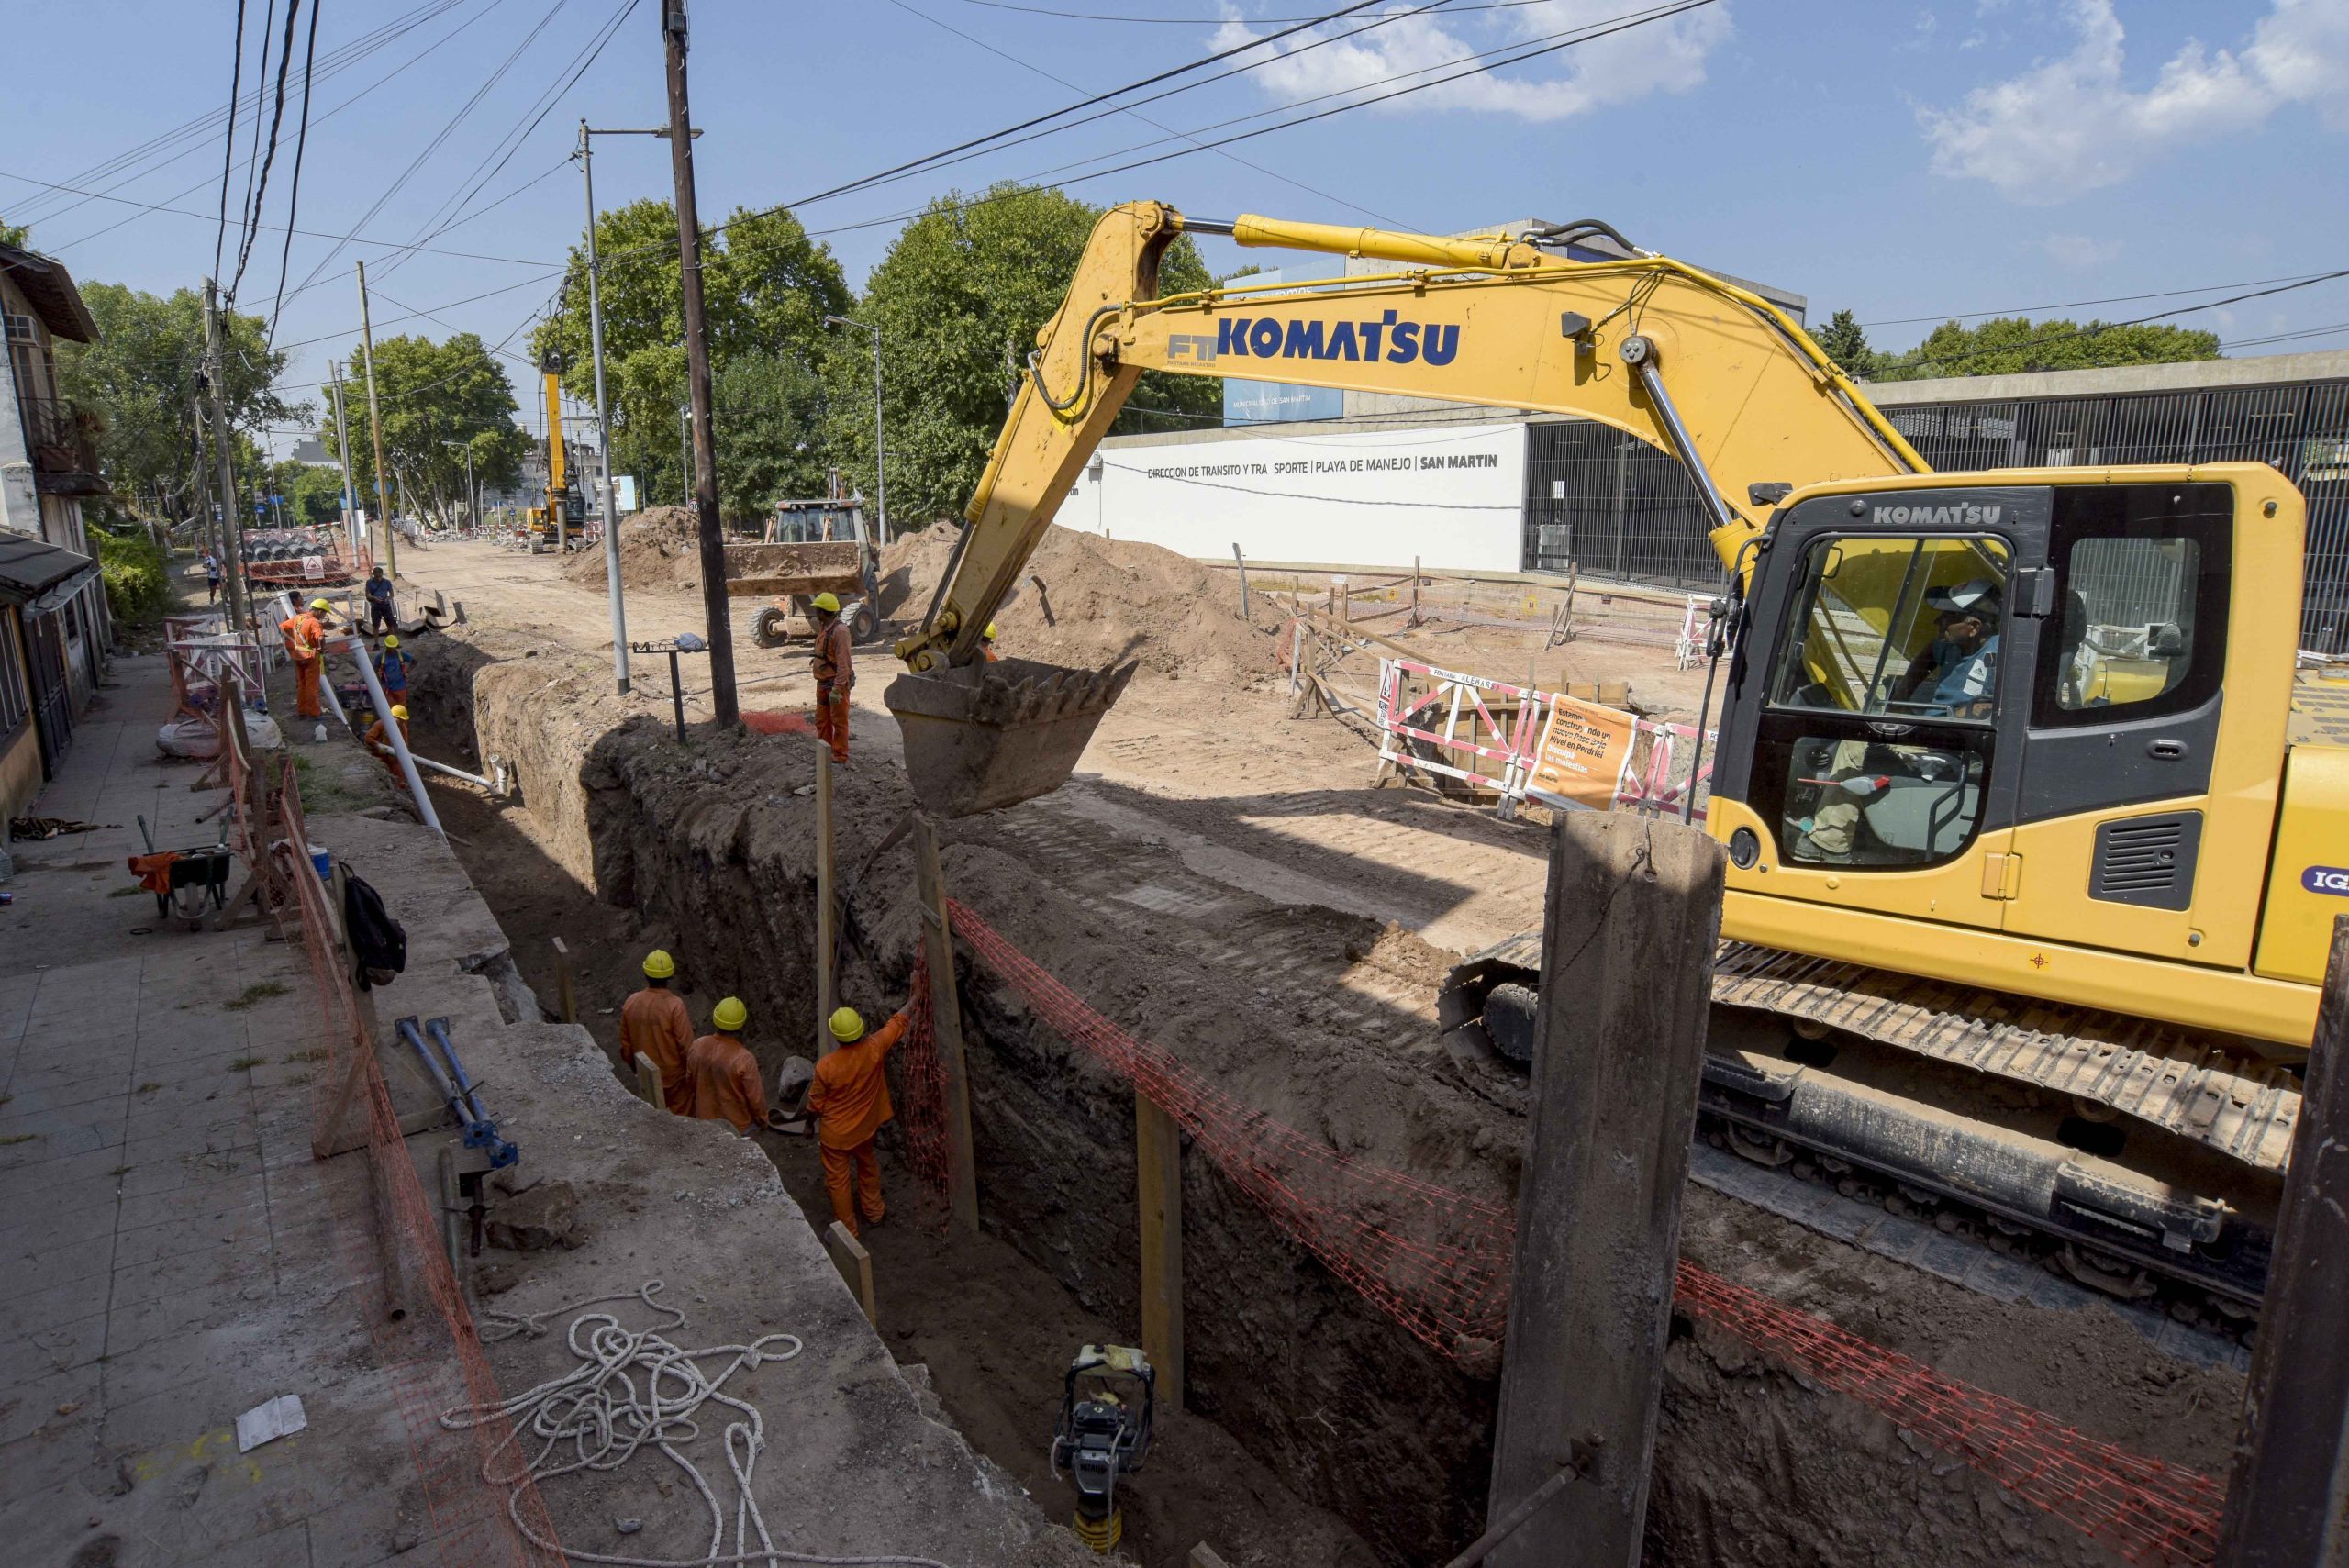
(1585, 750)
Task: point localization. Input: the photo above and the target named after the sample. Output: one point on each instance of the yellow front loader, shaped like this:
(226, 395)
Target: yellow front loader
(2030, 896)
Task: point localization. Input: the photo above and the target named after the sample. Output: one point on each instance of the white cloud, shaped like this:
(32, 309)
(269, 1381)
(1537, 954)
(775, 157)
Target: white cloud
(2078, 251)
(2073, 123)
(1667, 56)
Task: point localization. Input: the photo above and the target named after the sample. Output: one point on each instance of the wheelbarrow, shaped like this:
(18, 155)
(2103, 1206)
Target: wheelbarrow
(184, 881)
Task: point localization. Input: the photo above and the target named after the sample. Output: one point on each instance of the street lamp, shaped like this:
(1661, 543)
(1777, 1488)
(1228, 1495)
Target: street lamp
(472, 494)
(880, 472)
(603, 410)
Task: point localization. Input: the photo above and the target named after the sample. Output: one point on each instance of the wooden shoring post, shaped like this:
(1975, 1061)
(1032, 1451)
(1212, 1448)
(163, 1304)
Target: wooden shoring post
(946, 1026)
(855, 1266)
(566, 985)
(2284, 1505)
(647, 1083)
(1243, 564)
(1158, 1194)
(1629, 923)
(1415, 590)
(826, 939)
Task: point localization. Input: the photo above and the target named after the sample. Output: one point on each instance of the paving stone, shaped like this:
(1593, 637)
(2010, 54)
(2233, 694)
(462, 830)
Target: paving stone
(26, 1407)
(23, 1272)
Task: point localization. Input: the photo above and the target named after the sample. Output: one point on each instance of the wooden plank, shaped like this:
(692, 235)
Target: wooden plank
(647, 1083)
(1632, 914)
(946, 1026)
(1158, 1193)
(827, 941)
(855, 1266)
(2284, 1505)
(566, 985)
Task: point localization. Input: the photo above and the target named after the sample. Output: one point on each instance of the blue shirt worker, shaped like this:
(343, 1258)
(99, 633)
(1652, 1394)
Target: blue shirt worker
(381, 610)
(1963, 681)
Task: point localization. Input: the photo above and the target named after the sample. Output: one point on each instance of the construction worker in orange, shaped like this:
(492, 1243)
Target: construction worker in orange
(724, 1074)
(653, 1024)
(851, 1100)
(306, 644)
(378, 740)
(834, 674)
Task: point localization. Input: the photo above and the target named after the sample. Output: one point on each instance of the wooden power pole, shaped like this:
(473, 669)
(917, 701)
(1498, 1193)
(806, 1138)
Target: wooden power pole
(232, 565)
(716, 608)
(1634, 907)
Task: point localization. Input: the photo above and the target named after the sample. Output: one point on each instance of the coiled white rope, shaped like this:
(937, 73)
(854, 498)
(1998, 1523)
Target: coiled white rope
(598, 1414)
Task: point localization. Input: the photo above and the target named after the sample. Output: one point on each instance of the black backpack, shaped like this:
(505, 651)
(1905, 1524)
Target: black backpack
(378, 942)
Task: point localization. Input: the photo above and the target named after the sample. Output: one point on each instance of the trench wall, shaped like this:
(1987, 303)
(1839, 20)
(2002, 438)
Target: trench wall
(1751, 1467)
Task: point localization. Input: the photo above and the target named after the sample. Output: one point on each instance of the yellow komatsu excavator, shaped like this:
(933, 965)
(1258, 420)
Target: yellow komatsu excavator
(2030, 896)
(553, 525)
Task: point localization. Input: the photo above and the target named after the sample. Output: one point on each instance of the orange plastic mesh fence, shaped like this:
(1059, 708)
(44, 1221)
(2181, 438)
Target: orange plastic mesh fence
(1438, 1262)
(389, 1236)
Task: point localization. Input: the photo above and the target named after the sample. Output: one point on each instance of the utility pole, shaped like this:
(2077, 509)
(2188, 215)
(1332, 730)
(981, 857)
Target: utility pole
(342, 438)
(231, 558)
(879, 468)
(208, 528)
(686, 450)
(716, 610)
(603, 405)
(375, 428)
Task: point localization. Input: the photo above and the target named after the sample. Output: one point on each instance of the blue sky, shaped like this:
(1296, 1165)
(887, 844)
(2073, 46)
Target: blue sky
(1905, 158)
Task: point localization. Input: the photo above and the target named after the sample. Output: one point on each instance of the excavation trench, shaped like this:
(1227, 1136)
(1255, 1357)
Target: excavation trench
(1322, 1431)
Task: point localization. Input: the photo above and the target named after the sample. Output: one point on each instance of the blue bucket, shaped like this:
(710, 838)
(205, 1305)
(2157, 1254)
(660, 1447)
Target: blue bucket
(322, 862)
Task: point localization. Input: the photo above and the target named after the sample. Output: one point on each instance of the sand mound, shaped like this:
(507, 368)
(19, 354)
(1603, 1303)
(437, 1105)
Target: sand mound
(1100, 600)
(658, 549)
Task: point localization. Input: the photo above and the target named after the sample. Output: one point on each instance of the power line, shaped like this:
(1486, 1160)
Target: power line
(229, 154)
(2076, 304)
(276, 120)
(301, 144)
(2031, 345)
(1210, 21)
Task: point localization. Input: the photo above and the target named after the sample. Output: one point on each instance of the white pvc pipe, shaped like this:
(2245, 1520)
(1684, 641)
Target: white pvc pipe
(400, 743)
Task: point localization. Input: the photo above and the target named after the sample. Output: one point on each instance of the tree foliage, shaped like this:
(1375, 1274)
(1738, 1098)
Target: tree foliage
(965, 284)
(1846, 343)
(766, 287)
(431, 394)
(143, 379)
(2007, 344)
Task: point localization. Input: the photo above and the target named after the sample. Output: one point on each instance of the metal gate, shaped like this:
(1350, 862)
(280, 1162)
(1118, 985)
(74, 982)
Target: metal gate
(52, 696)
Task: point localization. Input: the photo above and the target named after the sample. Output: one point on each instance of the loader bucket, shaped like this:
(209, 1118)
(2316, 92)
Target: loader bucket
(988, 735)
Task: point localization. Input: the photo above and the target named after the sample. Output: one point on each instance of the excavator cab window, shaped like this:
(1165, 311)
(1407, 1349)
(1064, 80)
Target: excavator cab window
(1893, 649)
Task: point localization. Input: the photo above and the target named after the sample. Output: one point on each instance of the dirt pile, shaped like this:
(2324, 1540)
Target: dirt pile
(1083, 600)
(658, 549)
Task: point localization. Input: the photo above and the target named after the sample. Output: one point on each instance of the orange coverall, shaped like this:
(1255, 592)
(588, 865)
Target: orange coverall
(851, 1099)
(306, 640)
(725, 1079)
(380, 742)
(834, 676)
(654, 1023)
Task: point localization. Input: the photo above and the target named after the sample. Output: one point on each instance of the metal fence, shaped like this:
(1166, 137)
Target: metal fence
(1611, 505)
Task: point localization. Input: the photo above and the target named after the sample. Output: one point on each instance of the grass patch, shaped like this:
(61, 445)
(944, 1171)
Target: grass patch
(133, 891)
(316, 1053)
(259, 990)
(324, 790)
(149, 1088)
(241, 1062)
(17, 1137)
(117, 1171)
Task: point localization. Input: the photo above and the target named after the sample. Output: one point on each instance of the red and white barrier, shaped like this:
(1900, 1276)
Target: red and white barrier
(1491, 751)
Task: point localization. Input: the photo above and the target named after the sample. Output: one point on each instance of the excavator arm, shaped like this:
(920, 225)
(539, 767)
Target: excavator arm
(1698, 367)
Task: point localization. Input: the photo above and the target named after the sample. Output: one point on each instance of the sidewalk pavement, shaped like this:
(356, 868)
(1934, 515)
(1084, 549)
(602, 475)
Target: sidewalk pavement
(169, 1255)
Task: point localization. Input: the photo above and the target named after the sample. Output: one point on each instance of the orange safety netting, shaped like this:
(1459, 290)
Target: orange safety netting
(1438, 1262)
(388, 1234)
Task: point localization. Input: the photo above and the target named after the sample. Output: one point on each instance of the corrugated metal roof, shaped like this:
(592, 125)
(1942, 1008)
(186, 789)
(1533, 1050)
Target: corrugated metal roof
(49, 289)
(39, 576)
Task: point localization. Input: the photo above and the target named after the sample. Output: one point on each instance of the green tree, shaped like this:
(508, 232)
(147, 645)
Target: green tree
(141, 378)
(432, 394)
(18, 236)
(2007, 344)
(769, 410)
(766, 287)
(1846, 343)
(967, 276)
(313, 494)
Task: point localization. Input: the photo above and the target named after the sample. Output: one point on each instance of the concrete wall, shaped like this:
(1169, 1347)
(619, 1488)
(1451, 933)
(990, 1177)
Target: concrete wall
(1452, 496)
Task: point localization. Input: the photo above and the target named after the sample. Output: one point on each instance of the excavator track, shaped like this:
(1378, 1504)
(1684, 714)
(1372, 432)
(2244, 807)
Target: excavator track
(2141, 1159)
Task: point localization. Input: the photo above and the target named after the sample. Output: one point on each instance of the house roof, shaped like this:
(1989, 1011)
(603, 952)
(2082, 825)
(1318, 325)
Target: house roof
(39, 576)
(49, 288)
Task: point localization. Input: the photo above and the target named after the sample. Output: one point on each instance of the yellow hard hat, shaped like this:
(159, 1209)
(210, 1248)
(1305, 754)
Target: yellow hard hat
(659, 965)
(399, 710)
(847, 1028)
(730, 1014)
(989, 633)
(829, 601)
(321, 604)
(392, 641)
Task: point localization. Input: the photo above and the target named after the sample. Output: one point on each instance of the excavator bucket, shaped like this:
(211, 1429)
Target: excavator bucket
(988, 735)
